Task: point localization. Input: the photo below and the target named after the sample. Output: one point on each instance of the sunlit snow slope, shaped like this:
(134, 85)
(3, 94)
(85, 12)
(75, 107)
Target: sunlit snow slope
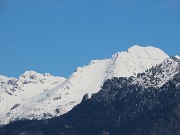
(88, 79)
(14, 92)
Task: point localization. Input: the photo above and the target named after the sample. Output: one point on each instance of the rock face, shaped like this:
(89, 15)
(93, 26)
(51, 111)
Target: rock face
(42, 99)
(124, 106)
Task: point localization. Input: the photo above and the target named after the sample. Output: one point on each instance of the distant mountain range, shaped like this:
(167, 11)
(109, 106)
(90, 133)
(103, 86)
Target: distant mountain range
(136, 92)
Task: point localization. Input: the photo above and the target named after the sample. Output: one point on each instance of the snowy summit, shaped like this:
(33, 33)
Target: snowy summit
(37, 96)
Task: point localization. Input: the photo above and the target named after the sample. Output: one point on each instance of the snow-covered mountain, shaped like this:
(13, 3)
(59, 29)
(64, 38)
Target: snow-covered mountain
(62, 97)
(148, 104)
(177, 57)
(14, 92)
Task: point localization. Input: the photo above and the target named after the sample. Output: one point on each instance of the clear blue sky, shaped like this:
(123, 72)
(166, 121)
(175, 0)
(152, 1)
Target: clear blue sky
(56, 36)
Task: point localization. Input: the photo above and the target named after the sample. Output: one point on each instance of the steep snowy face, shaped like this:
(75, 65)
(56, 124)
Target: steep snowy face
(136, 60)
(87, 79)
(14, 92)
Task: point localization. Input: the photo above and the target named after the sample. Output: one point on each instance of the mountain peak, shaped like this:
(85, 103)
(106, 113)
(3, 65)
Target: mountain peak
(178, 57)
(3, 78)
(34, 75)
(136, 60)
(137, 51)
(86, 80)
(149, 51)
(135, 47)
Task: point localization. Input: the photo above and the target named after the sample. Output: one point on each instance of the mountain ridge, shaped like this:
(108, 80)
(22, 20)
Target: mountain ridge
(123, 106)
(86, 80)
